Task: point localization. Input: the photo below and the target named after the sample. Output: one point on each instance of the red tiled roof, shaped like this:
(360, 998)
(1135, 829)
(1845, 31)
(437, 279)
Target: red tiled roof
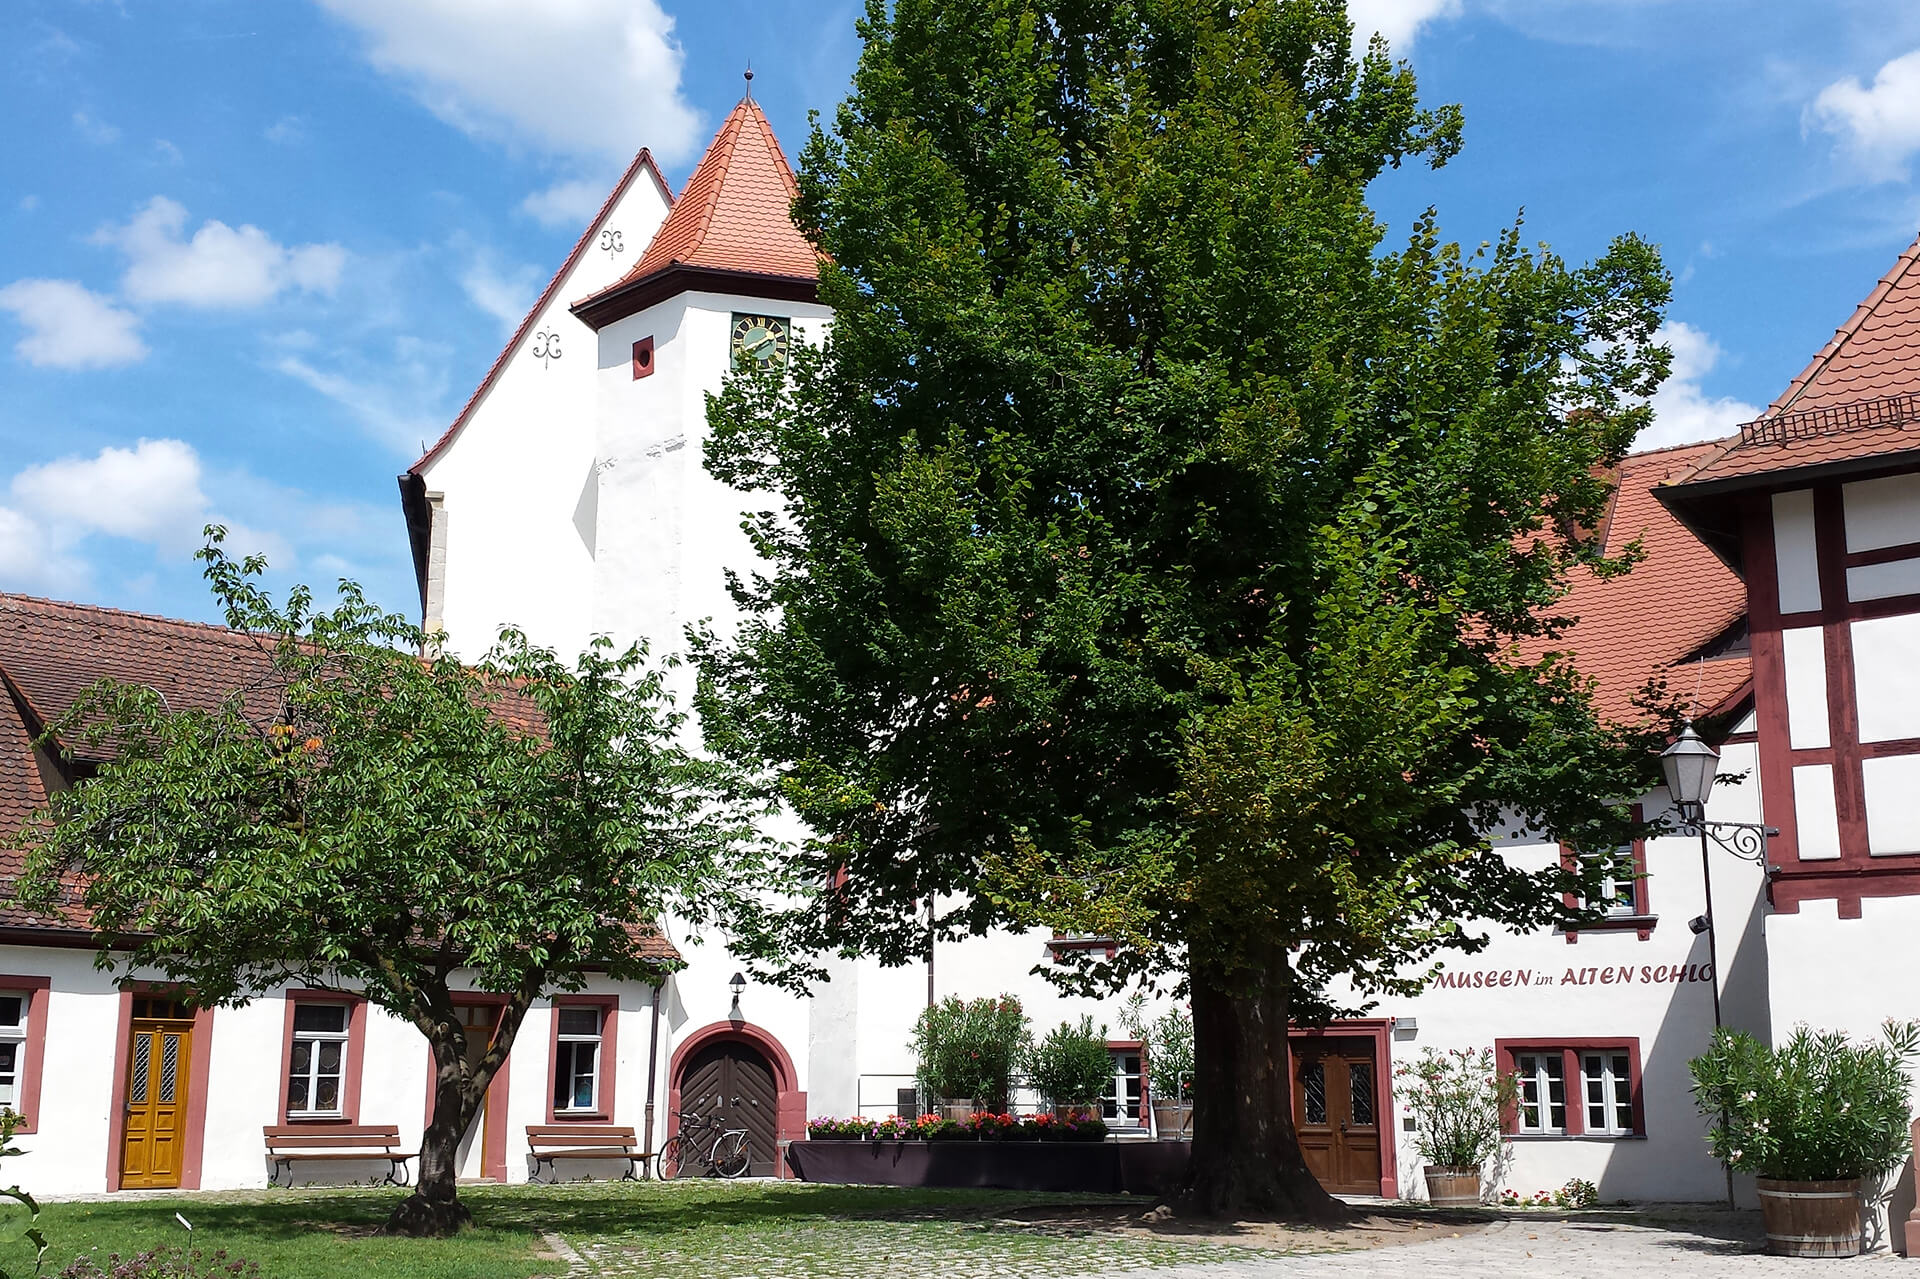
(736, 212)
(1671, 604)
(51, 652)
(22, 794)
(1859, 397)
(644, 160)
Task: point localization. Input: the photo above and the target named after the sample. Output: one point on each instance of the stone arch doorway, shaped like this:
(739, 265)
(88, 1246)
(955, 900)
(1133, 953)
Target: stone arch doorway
(743, 1075)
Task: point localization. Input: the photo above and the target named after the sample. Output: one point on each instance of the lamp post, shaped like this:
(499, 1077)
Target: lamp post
(737, 985)
(1690, 766)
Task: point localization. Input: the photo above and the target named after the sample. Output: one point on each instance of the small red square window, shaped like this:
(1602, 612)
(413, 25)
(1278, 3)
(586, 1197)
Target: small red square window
(642, 358)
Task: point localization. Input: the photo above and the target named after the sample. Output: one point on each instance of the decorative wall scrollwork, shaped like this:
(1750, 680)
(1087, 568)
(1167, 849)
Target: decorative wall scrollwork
(546, 347)
(610, 243)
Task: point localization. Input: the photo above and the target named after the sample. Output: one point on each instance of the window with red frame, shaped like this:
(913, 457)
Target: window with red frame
(1623, 896)
(1574, 1088)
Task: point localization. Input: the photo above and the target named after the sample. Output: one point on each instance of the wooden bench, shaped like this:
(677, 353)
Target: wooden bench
(549, 1142)
(290, 1142)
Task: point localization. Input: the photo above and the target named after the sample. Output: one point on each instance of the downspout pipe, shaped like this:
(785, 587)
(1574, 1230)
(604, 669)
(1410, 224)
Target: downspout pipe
(653, 1061)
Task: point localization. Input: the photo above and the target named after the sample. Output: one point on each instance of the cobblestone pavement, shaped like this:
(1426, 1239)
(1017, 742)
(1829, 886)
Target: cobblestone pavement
(1586, 1247)
(919, 1249)
(1688, 1242)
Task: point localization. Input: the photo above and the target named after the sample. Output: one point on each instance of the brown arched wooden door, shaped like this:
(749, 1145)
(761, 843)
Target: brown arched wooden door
(734, 1082)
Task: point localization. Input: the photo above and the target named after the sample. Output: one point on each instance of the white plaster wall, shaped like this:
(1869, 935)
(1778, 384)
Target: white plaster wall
(514, 476)
(668, 529)
(1586, 999)
(70, 1153)
(1795, 562)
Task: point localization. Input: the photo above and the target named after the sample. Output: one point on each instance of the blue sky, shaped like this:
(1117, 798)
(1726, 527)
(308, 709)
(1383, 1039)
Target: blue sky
(252, 255)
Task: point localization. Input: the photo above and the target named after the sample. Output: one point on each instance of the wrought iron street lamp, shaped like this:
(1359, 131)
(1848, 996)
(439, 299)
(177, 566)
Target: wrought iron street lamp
(1691, 767)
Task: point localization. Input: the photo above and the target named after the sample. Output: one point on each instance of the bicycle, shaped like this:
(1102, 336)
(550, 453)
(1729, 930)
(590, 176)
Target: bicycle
(704, 1142)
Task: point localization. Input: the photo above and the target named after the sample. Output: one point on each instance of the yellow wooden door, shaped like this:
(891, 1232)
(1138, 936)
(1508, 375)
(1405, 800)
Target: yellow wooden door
(480, 1021)
(158, 1068)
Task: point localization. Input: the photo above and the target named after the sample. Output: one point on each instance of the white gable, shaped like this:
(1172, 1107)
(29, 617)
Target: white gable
(514, 529)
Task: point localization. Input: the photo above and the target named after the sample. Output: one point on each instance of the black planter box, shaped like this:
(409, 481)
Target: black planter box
(1107, 1167)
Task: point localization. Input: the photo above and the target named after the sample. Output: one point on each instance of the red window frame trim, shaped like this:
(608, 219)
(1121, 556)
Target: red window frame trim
(609, 1006)
(1060, 942)
(356, 1053)
(37, 991)
(1506, 1053)
(1641, 921)
(1145, 1120)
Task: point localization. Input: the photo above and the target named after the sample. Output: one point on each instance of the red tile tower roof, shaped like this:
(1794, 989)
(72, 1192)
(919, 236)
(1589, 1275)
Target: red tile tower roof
(1668, 608)
(734, 218)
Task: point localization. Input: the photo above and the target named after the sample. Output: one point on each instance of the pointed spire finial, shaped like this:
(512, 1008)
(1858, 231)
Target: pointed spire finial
(749, 80)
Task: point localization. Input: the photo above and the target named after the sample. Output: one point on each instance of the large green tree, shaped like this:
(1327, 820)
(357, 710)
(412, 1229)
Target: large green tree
(1150, 551)
(353, 816)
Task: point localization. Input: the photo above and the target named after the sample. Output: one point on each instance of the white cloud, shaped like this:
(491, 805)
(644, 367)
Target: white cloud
(1398, 20)
(56, 515)
(150, 492)
(71, 327)
(1682, 412)
(98, 132)
(168, 153)
(220, 265)
(566, 204)
(400, 400)
(29, 561)
(503, 295)
(28, 203)
(286, 131)
(1879, 124)
(591, 78)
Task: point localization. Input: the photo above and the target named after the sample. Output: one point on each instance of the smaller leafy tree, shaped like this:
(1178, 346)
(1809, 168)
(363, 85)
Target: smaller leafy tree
(1456, 1098)
(1071, 1066)
(19, 1214)
(1817, 1108)
(1168, 1040)
(967, 1048)
(358, 816)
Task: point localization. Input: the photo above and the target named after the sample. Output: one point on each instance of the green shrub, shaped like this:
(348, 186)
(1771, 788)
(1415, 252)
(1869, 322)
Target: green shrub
(1071, 1066)
(968, 1048)
(1168, 1040)
(1456, 1099)
(1817, 1108)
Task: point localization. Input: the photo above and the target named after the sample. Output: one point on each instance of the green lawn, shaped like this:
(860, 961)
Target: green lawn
(687, 1230)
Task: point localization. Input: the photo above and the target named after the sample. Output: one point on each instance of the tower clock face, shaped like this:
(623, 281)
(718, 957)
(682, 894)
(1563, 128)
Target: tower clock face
(762, 338)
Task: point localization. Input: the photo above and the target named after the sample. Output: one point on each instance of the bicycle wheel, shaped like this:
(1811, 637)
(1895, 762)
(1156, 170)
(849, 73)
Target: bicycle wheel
(730, 1155)
(671, 1159)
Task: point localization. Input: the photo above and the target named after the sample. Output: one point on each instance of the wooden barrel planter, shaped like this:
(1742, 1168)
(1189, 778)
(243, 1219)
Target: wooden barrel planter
(1811, 1218)
(1453, 1187)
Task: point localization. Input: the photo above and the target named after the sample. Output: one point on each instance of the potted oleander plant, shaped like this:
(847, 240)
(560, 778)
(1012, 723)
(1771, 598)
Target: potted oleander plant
(1819, 1122)
(1072, 1067)
(1457, 1099)
(966, 1050)
(1168, 1044)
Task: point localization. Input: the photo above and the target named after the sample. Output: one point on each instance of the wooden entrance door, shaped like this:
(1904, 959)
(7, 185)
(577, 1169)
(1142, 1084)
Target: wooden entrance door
(1334, 1104)
(735, 1083)
(159, 1067)
(480, 1022)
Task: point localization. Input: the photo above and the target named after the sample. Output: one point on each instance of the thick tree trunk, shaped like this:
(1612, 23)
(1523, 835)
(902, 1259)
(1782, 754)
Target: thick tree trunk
(1246, 1159)
(434, 1208)
(459, 1091)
